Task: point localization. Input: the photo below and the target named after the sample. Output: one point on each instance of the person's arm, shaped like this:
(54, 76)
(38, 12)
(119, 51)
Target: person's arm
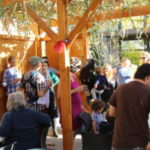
(43, 91)
(6, 125)
(43, 119)
(112, 111)
(148, 146)
(94, 127)
(54, 78)
(42, 85)
(15, 81)
(113, 105)
(78, 89)
(5, 79)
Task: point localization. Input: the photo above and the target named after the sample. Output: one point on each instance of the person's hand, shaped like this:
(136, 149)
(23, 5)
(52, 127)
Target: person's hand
(15, 81)
(49, 83)
(96, 132)
(148, 146)
(80, 88)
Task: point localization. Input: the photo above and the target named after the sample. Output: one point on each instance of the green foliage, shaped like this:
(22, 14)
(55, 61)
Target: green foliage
(134, 56)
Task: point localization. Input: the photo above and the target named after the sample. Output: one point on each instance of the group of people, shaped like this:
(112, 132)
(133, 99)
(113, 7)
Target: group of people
(32, 97)
(128, 101)
(122, 93)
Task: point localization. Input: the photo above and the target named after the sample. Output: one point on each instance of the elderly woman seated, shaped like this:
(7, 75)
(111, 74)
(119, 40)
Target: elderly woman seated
(21, 125)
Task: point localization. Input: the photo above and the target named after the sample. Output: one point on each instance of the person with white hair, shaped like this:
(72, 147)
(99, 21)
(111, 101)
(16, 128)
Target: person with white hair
(145, 58)
(21, 125)
(124, 72)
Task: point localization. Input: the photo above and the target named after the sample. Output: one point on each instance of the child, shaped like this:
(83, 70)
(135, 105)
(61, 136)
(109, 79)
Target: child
(100, 85)
(99, 122)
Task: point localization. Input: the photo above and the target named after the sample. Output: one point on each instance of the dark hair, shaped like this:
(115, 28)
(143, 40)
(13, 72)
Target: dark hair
(45, 61)
(142, 71)
(45, 57)
(87, 69)
(11, 57)
(97, 104)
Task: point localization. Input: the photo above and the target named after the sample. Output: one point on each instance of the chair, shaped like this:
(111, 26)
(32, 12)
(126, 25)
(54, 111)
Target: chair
(43, 140)
(91, 141)
(87, 121)
(8, 147)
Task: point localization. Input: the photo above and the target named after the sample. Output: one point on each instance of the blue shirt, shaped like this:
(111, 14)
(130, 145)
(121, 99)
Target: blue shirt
(21, 126)
(124, 75)
(98, 118)
(10, 75)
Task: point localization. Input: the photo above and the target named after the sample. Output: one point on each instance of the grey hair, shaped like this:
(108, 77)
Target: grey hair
(15, 100)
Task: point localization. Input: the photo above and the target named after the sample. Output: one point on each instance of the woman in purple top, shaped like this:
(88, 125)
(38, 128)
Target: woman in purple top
(77, 106)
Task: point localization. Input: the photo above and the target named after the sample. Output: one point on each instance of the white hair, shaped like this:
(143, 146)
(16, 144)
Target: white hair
(16, 100)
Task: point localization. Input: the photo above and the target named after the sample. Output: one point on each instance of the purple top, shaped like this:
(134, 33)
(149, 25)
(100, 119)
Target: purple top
(76, 105)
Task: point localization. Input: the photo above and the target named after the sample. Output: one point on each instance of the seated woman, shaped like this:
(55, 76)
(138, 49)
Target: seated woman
(21, 125)
(99, 123)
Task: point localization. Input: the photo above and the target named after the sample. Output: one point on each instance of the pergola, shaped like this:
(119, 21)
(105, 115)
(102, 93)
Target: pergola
(81, 23)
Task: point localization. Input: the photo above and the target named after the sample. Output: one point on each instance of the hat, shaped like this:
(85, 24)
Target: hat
(34, 60)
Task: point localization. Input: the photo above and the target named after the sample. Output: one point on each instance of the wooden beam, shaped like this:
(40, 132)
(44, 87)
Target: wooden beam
(64, 67)
(116, 14)
(122, 13)
(42, 24)
(82, 22)
(11, 2)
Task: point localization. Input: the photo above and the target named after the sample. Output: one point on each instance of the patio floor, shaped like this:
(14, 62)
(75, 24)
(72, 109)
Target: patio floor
(59, 145)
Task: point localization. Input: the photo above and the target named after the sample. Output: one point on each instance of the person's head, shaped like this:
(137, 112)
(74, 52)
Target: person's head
(12, 61)
(125, 62)
(35, 62)
(44, 65)
(97, 105)
(87, 71)
(144, 58)
(75, 64)
(107, 70)
(99, 70)
(143, 73)
(15, 101)
(91, 65)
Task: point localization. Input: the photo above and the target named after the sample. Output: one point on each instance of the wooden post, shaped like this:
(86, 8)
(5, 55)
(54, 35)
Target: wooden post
(64, 63)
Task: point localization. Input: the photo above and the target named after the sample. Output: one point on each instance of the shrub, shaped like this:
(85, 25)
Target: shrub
(133, 55)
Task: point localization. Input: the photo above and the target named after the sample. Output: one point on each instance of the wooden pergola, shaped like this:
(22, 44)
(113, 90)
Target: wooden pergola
(81, 23)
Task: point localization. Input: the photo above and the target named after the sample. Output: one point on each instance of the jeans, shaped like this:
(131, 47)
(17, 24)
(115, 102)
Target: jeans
(135, 148)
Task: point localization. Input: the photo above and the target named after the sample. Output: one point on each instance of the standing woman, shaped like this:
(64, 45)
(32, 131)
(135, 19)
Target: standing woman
(11, 77)
(52, 107)
(76, 103)
(88, 77)
(112, 82)
(76, 89)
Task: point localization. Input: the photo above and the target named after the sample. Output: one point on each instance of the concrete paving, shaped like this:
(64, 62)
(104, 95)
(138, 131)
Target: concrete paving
(59, 145)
